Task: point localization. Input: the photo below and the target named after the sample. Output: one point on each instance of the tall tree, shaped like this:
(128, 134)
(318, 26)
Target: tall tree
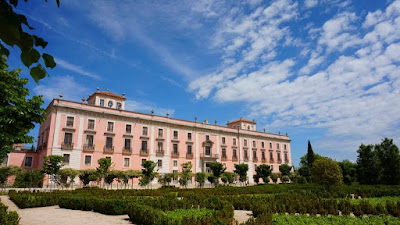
(326, 172)
(389, 158)
(368, 170)
(349, 170)
(217, 170)
(201, 178)
(51, 165)
(263, 171)
(285, 169)
(310, 155)
(148, 173)
(103, 168)
(186, 174)
(18, 114)
(241, 170)
(13, 33)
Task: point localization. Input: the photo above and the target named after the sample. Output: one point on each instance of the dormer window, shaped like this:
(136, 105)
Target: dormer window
(110, 104)
(102, 102)
(119, 105)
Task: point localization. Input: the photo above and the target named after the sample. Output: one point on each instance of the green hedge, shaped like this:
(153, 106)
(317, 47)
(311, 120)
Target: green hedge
(8, 217)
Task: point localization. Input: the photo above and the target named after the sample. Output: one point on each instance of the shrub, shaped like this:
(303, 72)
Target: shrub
(25, 179)
(8, 217)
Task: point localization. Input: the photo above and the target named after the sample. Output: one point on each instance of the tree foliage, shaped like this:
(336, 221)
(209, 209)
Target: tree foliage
(86, 176)
(8, 171)
(326, 172)
(51, 165)
(274, 177)
(389, 161)
(186, 174)
(217, 170)
(18, 114)
(201, 178)
(13, 33)
(349, 171)
(104, 167)
(67, 176)
(241, 169)
(310, 155)
(285, 169)
(367, 165)
(263, 171)
(148, 173)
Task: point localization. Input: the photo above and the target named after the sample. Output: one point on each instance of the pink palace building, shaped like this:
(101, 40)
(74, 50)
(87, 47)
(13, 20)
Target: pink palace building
(84, 132)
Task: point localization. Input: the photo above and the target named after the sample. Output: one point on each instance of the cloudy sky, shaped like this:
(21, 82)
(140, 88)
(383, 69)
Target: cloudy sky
(324, 70)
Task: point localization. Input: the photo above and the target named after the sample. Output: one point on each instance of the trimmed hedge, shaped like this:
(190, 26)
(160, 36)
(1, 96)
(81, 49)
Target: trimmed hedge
(8, 217)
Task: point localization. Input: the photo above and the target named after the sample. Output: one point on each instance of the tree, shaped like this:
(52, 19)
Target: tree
(310, 155)
(274, 177)
(165, 179)
(305, 168)
(18, 114)
(87, 175)
(103, 168)
(285, 169)
(51, 165)
(186, 174)
(326, 172)
(133, 174)
(241, 170)
(201, 178)
(109, 178)
(217, 170)
(349, 171)
(368, 170)
(8, 171)
(67, 176)
(12, 33)
(389, 158)
(230, 177)
(148, 173)
(263, 171)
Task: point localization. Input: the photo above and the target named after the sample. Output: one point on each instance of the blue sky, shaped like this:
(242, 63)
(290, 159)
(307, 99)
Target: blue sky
(324, 70)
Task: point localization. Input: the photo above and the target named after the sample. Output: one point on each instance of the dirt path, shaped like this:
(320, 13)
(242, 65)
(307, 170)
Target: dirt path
(242, 215)
(55, 215)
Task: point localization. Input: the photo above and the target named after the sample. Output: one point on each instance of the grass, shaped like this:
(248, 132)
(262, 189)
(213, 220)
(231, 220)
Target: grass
(375, 201)
(327, 220)
(179, 213)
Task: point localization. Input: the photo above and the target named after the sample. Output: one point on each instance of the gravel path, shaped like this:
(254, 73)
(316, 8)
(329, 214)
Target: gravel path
(55, 215)
(242, 215)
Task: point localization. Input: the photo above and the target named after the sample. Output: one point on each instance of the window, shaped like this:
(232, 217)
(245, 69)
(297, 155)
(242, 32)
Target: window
(254, 143)
(254, 154)
(70, 121)
(224, 152)
(245, 142)
(160, 133)
(223, 140)
(255, 167)
(68, 138)
(28, 161)
(119, 105)
(245, 154)
(126, 162)
(277, 145)
(234, 141)
(110, 104)
(159, 163)
(262, 155)
(88, 160)
(128, 128)
(89, 140)
(144, 131)
(175, 148)
(279, 156)
(109, 142)
(90, 124)
(271, 157)
(286, 158)
(175, 134)
(270, 145)
(189, 136)
(102, 102)
(144, 145)
(284, 147)
(127, 143)
(110, 126)
(189, 149)
(234, 153)
(262, 144)
(208, 150)
(175, 163)
(143, 161)
(207, 137)
(66, 158)
(160, 147)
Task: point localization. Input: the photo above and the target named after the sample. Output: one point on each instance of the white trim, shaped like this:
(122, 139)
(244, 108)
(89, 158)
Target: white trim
(66, 120)
(87, 123)
(80, 132)
(84, 159)
(125, 128)
(110, 121)
(69, 160)
(57, 129)
(123, 162)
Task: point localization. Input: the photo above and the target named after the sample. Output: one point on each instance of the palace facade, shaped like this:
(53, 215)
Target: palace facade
(83, 132)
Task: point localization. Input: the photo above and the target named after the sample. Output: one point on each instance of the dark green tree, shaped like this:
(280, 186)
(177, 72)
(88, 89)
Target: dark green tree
(8, 171)
(103, 168)
(186, 174)
(349, 171)
(14, 31)
(241, 170)
(310, 155)
(368, 170)
(274, 177)
(217, 170)
(285, 169)
(18, 114)
(86, 176)
(263, 171)
(326, 172)
(51, 165)
(148, 173)
(388, 155)
(201, 178)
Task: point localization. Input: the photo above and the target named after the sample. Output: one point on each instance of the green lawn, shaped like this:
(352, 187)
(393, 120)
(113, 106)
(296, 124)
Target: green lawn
(375, 201)
(179, 213)
(334, 220)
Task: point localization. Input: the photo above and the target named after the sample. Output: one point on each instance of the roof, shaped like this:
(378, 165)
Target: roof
(107, 93)
(242, 120)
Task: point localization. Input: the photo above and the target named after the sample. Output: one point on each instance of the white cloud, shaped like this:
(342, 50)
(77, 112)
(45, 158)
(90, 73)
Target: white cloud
(53, 86)
(76, 69)
(311, 3)
(143, 107)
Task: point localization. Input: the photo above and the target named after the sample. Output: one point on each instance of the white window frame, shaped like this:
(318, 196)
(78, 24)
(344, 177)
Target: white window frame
(131, 128)
(84, 159)
(69, 161)
(129, 162)
(87, 125)
(110, 121)
(66, 120)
